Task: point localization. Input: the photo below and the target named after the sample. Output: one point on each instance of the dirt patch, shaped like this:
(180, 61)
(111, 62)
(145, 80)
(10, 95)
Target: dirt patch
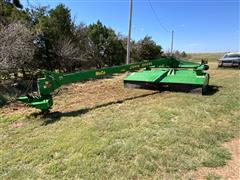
(93, 93)
(17, 124)
(15, 108)
(230, 171)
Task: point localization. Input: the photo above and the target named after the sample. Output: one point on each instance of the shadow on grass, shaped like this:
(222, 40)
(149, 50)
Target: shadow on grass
(3, 101)
(56, 116)
(212, 89)
(53, 117)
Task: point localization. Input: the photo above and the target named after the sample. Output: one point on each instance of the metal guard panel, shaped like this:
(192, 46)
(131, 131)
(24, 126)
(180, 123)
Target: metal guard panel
(162, 76)
(146, 76)
(184, 77)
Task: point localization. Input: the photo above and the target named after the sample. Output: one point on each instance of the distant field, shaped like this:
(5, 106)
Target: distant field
(211, 57)
(102, 131)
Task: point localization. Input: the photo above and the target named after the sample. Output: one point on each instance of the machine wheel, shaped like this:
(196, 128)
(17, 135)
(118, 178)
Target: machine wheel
(45, 112)
(220, 65)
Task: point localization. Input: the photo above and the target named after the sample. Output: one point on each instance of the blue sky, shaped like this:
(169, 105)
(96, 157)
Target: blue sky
(199, 25)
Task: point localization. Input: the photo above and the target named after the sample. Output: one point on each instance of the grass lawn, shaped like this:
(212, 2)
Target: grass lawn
(100, 130)
(211, 57)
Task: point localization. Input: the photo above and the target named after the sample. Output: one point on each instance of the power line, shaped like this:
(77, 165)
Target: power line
(156, 16)
(161, 24)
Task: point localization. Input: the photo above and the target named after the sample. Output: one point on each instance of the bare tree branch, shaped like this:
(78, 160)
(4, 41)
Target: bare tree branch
(16, 46)
(67, 53)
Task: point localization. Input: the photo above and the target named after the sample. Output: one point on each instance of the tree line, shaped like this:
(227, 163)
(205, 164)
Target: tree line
(42, 38)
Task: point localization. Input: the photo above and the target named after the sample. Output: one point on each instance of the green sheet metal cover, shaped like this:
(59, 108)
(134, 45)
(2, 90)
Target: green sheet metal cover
(184, 77)
(146, 76)
(162, 76)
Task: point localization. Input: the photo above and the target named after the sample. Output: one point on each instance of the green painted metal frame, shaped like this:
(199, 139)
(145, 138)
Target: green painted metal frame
(53, 80)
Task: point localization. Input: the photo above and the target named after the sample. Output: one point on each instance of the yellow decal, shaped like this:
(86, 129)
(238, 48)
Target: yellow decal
(147, 64)
(100, 73)
(134, 67)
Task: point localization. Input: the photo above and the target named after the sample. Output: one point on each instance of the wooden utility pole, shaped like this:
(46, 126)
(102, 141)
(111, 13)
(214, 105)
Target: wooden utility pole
(172, 43)
(129, 33)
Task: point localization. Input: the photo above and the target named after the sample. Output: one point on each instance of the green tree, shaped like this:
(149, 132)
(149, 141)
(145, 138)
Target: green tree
(60, 44)
(9, 12)
(83, 43)
(134, 50)
(183, 54)
(105, 47)
(60, 22)
(148, 49)
(35, 14)
(52, 27)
